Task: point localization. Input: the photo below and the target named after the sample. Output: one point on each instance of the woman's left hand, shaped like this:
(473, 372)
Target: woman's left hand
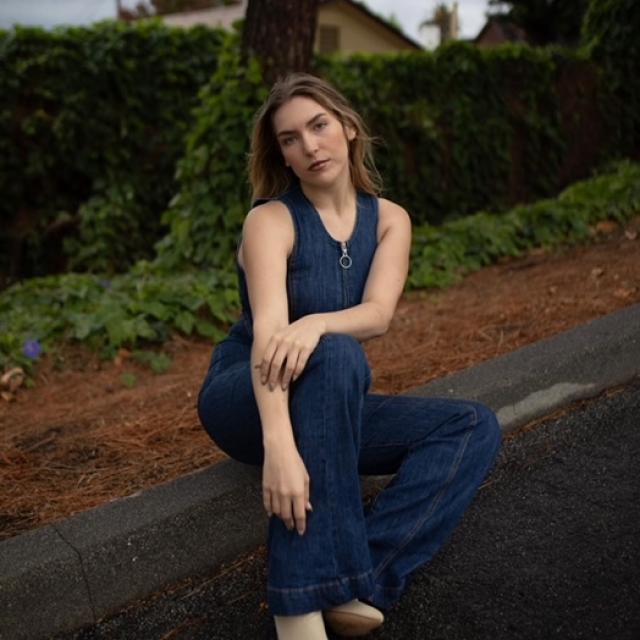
(291, 346)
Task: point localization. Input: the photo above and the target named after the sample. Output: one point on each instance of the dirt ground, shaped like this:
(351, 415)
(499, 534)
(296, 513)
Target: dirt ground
(81, 437)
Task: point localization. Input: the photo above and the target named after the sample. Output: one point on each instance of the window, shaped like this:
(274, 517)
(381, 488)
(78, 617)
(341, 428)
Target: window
(328, 38)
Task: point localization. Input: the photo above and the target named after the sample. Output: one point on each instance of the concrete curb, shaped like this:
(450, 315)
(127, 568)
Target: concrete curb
(81, 569)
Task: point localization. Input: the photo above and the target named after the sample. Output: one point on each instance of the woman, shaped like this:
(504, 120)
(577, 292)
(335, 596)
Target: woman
(322, 263)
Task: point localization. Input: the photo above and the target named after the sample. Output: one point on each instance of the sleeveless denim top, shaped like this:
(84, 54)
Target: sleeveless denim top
(323, 274)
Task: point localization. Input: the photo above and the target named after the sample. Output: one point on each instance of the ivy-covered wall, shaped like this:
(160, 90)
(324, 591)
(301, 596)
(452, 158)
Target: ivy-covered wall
(465, 129)
(611, 38)
(97, 116)
(105, 132)
(461, 130)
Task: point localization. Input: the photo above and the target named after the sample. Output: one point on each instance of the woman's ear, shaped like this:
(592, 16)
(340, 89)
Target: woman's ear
(350, 132)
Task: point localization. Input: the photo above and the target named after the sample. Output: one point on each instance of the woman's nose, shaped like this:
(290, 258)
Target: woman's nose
(309, 144)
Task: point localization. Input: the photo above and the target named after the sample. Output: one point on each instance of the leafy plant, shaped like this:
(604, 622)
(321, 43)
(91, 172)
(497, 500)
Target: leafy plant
(128, 379)
(85, 111)
(159, 362)
(114, 230)
(133, 310)
(441, 255)
(99, 139)
(610, 36)
(141, 309)
(206, 215)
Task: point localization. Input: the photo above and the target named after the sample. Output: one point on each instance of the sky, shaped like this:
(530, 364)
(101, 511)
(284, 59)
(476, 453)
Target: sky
(49, 13)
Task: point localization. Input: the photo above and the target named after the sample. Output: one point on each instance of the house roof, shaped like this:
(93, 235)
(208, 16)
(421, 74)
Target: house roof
(510, 31)
(227, 14)
(362, 8)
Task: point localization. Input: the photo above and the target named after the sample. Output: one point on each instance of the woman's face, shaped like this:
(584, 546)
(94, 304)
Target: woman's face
(312, 140)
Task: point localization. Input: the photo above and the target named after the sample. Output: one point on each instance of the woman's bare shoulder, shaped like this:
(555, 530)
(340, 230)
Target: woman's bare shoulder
(271, 223)
(274, 210)
(391, 214)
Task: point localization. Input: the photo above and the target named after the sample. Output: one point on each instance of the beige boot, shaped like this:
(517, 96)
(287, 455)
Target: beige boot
(308, 626)
(353, 618)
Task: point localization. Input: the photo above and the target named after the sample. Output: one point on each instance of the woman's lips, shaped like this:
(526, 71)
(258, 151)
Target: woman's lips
(316, 166)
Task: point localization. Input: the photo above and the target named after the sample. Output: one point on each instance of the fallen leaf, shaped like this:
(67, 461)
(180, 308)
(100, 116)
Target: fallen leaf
(630, 234)
(121, 356)
(606, 226)
(623, 293)
(596, 272)
(12, 379)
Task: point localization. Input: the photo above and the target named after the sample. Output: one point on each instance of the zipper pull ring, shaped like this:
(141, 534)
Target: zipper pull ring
(345, 258)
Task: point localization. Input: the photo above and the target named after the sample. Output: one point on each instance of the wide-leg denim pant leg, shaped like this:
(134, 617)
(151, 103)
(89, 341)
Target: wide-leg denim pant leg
(440, 451)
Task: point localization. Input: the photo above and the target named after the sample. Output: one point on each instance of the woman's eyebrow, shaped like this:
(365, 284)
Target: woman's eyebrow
(290, 131)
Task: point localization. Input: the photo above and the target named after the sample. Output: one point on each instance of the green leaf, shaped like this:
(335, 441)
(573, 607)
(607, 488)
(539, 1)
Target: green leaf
(185, 322)
(128, 379)
(160, 362)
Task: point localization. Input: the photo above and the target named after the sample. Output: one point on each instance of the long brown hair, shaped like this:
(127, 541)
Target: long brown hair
(267, 172)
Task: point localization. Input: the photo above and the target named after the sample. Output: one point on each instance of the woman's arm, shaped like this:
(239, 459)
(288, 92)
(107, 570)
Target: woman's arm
(292, 344)
(264, 243)
(285, 481)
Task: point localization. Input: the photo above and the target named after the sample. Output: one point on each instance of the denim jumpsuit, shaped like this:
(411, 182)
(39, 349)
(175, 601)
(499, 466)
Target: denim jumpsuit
(440, 450)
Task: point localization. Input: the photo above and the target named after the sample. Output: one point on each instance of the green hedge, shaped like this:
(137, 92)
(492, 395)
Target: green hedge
(206, 215)
(99, 145)
(441, 255)
(462, 129)
(141, 309)
(92, 113)
(611, 35)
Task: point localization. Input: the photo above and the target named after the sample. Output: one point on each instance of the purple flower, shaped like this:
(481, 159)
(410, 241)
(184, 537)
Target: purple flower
(105, 283)
(31, 349)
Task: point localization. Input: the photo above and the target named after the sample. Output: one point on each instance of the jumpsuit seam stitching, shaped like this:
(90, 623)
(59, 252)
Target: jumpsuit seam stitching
(382, 446)
(327, 476)
(435, 502)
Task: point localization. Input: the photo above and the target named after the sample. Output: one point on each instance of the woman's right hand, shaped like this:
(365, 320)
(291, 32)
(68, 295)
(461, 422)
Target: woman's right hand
(285, 485)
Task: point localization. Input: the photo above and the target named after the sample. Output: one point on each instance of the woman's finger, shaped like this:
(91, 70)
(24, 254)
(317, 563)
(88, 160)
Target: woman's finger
(285, 512)
(275, 504)
(265, 365)
(269, 367)
(274, 375)
(266, 502)
(290, 369)
(303, 357)
(307, 504)
(300, 514)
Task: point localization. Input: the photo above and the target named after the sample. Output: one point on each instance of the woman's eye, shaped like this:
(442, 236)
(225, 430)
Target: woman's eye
(321, 125)
(287, 141)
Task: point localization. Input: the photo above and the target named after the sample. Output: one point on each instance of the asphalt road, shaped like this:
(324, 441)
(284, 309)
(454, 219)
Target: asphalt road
(549, 549)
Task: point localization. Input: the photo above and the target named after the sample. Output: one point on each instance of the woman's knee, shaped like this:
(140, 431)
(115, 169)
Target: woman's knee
(342, 351)
(487, 427)
(229, 415)
(339, 343)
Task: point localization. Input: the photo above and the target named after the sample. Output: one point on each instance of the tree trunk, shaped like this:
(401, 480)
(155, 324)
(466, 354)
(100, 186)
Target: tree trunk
(281, 34)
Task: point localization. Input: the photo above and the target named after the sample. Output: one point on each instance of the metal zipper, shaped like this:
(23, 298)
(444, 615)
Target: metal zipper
(345, 263)
(345, 258)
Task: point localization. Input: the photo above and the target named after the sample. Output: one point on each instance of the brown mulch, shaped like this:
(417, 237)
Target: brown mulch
(81, 437)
